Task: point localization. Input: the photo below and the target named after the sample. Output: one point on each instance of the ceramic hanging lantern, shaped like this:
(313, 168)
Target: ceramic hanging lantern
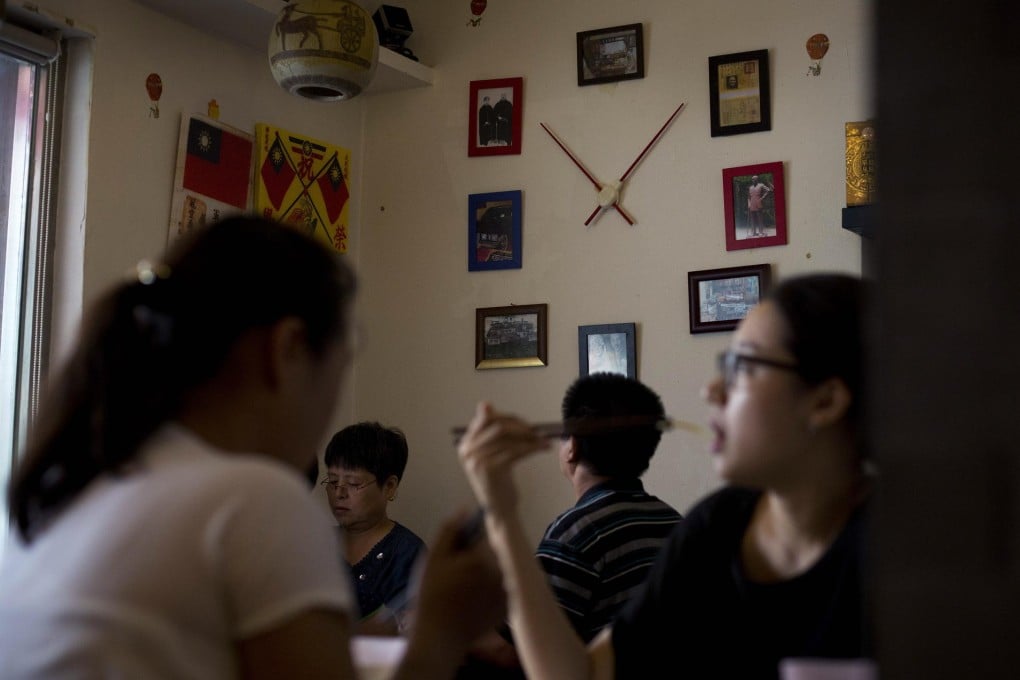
(323, 49)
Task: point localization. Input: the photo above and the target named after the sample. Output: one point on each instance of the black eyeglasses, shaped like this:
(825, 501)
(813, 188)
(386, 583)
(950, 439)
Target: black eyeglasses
(335, 485)
(730, 363)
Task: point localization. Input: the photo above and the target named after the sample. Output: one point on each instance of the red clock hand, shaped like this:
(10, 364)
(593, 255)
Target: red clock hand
(598, 185)
(620, 210)
(651, 143)
(587, 174)
(633, 165)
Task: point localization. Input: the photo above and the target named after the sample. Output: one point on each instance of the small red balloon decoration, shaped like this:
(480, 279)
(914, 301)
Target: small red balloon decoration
(477, 7)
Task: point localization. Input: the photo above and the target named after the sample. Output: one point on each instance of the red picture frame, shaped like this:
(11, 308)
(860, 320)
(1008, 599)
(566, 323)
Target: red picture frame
(754, 200)
(495, 112)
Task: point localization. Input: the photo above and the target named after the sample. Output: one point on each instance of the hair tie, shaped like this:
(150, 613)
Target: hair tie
(156, 326)
(148, 272)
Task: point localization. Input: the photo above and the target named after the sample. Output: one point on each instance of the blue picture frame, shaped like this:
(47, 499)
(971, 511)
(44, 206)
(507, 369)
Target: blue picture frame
(494, 231)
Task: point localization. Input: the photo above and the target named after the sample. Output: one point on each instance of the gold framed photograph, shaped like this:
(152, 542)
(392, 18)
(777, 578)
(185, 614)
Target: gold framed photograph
(511, 337)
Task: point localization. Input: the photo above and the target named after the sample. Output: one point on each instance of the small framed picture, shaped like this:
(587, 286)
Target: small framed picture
(494, 231)
(511, 337)
(495, 117)
(607, 348)
(738, 87)
(606, 55)
(754, 201)
(720, 298)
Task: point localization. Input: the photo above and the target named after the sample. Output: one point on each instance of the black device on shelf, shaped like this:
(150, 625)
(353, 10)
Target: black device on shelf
(394, 27)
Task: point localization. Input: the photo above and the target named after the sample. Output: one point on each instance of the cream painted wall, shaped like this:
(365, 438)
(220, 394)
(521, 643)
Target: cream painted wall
(132, 156)
(413, 175)
(418, 302)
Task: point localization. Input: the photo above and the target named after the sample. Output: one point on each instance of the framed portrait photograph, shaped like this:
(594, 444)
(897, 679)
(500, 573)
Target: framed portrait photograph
(606, 55)
(511, 337)
(494, 117)
(720, 298)
(494, 231)
(754, 201)
(607, 348)
(738, 87)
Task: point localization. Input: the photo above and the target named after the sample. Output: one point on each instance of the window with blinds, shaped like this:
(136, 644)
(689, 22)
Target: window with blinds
(31, 64)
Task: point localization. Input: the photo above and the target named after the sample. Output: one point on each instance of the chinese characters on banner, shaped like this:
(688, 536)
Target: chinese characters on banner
(213, 176)
(303, 181)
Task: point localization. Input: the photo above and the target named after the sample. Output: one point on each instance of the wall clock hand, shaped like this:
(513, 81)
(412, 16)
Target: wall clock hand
(572, 157)
(648, 146)
(598, 185)
(609, 193)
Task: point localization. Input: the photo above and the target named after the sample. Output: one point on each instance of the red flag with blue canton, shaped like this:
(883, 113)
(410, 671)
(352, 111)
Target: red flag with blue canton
(217, 164)
(277, 173)
(333, 186)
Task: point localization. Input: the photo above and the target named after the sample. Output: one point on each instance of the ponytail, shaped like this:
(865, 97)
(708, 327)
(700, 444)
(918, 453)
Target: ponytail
(151, 340)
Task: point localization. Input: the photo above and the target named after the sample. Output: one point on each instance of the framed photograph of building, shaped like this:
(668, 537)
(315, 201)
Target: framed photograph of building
(719, 298)
(494, 230)
(511, 337)
(754, 202)
(739, 93)
(606, 55)
(494, 117)
(607, 348)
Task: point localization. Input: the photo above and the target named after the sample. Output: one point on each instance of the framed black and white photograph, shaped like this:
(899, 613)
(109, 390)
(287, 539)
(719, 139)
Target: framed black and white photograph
(511, 337)
(495, 115)
(606, 55)
(739, 93)
(719, 298)
(494, 230)
(607, 348)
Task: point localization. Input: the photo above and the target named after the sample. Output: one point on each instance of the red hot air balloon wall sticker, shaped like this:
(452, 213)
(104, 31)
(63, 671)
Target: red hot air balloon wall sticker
(817, 46)
(154, 86)
(477, 7)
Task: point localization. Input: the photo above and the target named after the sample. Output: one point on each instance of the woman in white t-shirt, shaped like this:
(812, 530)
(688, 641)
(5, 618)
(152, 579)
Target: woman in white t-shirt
(164, 524)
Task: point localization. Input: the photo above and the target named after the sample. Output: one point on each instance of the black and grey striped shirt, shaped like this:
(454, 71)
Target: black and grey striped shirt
(599, 552)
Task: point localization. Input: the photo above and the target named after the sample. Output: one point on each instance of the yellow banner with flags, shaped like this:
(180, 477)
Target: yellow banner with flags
(303, 182)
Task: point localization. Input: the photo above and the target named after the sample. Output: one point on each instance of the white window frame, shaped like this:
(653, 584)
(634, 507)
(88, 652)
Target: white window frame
(42, 290)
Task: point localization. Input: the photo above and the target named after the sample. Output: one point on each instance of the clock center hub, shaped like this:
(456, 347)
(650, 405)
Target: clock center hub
(609, 194)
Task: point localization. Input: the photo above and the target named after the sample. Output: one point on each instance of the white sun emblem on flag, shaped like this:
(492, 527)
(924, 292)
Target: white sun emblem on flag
(335, 175)
(276, 156)
(204, 140)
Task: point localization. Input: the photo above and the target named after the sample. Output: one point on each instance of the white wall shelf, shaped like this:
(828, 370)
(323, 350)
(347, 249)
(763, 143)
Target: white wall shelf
(249, 22)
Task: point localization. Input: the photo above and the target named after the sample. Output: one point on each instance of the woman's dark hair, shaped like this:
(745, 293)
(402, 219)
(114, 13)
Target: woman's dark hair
(824, 316)
(369, 446)
(152, 339)
(618, 452)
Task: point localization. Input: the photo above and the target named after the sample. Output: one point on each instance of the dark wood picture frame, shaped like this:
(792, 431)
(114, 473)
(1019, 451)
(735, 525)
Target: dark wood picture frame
(607, 348)
(495, 113)
(718, 299)
(494, 230)
(511, 337)
(755, 211)
(739, 93)
(606, 55)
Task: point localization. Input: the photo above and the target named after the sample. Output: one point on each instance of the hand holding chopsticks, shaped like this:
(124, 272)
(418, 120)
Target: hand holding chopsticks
(589, 426)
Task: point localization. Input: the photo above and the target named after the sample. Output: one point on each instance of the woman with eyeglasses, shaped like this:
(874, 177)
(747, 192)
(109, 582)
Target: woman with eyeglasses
(164, 525)
(364, 465)
(769, 570)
